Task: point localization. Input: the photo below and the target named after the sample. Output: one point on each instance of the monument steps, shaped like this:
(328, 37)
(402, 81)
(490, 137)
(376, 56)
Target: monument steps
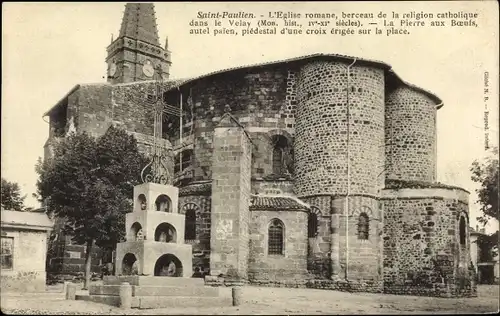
(147, 290)
(179, 301)
(153, 281)
(148, 302)
(156, 292)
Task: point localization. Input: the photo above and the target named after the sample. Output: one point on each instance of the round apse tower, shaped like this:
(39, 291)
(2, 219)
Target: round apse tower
(321, 140)
(410, 135)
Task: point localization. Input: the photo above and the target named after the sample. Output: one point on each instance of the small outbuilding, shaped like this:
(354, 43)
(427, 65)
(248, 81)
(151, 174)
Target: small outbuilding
(24, 250)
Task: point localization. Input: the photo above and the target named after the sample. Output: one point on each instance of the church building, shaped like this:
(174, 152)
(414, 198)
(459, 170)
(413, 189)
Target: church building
(317, 171)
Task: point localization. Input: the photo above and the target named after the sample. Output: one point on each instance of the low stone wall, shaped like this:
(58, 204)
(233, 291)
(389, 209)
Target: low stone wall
(280, 283)
(340, 285)
(222, 281)
(367, 286)
(437, 290)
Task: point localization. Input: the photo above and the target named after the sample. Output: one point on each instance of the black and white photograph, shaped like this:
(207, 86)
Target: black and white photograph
(272, 158)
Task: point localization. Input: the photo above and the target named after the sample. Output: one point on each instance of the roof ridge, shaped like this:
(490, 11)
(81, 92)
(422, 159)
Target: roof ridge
(385, 65)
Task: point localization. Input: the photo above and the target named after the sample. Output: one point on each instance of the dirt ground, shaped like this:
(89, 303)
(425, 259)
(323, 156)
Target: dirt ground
(260, 301)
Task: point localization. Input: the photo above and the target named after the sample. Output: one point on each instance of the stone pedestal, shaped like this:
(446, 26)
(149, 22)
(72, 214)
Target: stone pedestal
(231, 171)
(125, 295)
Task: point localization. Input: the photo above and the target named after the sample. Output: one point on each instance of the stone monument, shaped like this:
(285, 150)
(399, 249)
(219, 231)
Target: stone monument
(154, 243)
(153, 267)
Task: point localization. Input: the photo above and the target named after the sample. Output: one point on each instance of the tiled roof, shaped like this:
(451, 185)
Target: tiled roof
(276, 202)
(384, 65)
(172, 84)
(33, 220)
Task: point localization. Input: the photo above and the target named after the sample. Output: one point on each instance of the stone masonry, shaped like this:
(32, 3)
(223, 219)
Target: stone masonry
(230, 200)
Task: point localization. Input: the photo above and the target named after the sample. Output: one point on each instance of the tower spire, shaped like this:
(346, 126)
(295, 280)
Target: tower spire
(139, 23)
(166, 43)
(137, 51)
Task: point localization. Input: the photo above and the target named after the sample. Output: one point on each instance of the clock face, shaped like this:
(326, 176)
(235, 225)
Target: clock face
(148, 69)
(112, 69)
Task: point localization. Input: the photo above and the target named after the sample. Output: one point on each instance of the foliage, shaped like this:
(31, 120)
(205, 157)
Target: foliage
(486, 174)
(89, 182)
(11, 196)
(488, 245)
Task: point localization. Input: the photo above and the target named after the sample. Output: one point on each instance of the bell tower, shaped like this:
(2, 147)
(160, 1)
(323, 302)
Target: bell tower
(136, 52)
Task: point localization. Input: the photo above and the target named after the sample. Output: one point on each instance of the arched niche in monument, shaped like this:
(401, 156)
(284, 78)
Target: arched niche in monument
(136, 232)
(130, 265)
(165, 233)
(168, 265)
(163, 203)
(142, 202)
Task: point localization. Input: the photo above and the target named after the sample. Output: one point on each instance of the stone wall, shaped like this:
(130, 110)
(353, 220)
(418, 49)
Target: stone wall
(261, 100)
(422, 244)
(363, 256)
(28, 261)
(262, 154)
(91, 105)
(410, 135)
(319, 246)
(132, 108)
(23, 281)
(201, 245)
(69, 259)
(321, 129)
(264, 268)
(260, 186)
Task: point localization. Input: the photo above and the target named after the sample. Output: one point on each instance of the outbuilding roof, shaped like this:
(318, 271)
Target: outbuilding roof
(26, 220)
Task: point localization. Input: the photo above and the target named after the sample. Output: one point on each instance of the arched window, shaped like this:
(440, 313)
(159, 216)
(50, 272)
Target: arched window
(190, 223)
(312, 223)
(280, 146)
(190, 210)
(462, 231)
(276, 237)
(363, 226)
(163, 203)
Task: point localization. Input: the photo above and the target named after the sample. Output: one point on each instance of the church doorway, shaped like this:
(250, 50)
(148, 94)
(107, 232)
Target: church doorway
(168, 265)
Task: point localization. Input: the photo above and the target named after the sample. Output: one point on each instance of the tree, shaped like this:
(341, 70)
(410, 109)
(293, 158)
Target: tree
(89, 182)
(486, 174)
(11, 196)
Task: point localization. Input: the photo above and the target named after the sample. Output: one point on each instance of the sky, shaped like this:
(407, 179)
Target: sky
(48, 48)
